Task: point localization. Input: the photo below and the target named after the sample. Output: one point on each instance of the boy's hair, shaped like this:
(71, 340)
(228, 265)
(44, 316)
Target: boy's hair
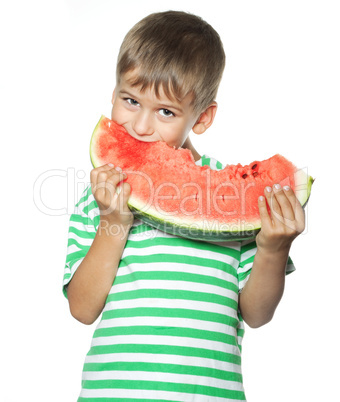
(177, 51)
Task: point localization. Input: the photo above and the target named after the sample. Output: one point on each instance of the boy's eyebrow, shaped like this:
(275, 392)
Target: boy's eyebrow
(163, 105)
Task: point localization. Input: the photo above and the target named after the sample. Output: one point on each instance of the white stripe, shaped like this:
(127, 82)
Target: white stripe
(162, 377)
(242, 284)
(81, 240)
(144, 234)
(164, 359)
(179, 268)
(152, 233)
(73, 248)
(137, 394)
(88, 198)
(94, 213)
(172, 285)
(71, 271)
(248, 254)
(91, 214)
(82, 227)
(79, 210)
(182, 250)
(228, 244)
(172, 304)
(245, 268)
(168, 322)
(166, 340)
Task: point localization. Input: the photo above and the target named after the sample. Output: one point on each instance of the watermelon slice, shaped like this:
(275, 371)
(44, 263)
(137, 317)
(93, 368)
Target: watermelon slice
(170, 192)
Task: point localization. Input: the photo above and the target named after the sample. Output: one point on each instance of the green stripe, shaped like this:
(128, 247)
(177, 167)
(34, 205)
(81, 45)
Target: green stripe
(243, 276)
(141, 228)
(165, 350)
(170, 312)
(164, 386)
(247, 247)
(175, 276)
(87, 192)
(172, 294)
(181, 242)
(75, 256)
(81, 399)
(247, 261)
(219, 165)
(92, 205)
(205, 161)
(164, 368)
(86, 220)
(178, 258)
(166, 331)
(82, 233)
(74, 242)
(66, 276)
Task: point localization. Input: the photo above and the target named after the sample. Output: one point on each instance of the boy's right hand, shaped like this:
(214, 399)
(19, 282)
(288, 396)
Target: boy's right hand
(113, 207)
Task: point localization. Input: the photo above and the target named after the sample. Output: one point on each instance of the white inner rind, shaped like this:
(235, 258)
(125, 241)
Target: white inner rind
(183, 222)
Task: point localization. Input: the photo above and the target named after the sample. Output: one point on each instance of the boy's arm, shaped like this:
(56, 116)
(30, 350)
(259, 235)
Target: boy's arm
(92, 281)
(264, 288)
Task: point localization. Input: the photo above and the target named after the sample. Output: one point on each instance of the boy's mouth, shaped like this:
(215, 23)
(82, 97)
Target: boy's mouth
(141, 138)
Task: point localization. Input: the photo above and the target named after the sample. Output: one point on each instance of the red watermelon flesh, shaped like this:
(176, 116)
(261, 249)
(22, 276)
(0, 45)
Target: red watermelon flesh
(169, 191)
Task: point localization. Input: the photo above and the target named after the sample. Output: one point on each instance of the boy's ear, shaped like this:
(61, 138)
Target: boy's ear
(113, 96)
(205, 119)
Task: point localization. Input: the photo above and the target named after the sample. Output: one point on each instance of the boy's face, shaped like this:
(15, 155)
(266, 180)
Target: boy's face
(150, 118)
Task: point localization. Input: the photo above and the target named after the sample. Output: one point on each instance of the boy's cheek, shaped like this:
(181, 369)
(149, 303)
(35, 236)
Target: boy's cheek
(118, 114)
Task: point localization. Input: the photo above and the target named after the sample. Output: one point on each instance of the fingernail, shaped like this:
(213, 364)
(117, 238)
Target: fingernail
(118, 168)
(261, 198)
(277, 186)
(287, 188)
(268, 189)
(110, 164)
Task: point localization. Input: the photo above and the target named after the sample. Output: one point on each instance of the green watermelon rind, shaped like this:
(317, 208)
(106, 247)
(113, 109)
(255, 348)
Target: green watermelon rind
(190, 228)
(96, 132)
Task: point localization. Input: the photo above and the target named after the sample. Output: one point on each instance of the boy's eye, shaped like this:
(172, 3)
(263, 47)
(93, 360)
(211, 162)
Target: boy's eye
(132, 102)
(166, 113)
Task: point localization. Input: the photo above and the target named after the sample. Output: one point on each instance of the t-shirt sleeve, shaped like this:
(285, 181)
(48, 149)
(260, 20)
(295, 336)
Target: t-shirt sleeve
(248, 251)
(82, 230)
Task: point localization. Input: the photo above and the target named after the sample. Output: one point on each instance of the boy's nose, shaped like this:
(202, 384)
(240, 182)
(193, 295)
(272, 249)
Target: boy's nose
(143, 124)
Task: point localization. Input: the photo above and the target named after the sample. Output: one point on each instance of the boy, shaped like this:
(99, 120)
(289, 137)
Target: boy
(173, 308)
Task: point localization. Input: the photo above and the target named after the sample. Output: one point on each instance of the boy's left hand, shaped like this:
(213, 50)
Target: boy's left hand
(284, 223)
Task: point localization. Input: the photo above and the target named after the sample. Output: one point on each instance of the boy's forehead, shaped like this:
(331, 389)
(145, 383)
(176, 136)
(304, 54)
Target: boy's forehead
(161, 92)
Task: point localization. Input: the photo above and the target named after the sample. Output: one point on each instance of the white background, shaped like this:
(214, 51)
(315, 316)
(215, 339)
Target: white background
(280, 94)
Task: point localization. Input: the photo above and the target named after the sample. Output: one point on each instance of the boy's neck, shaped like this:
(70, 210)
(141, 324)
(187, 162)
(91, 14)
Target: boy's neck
(188, 145)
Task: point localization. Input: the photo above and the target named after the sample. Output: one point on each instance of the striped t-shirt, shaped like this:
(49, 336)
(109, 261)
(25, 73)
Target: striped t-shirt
(170, 329)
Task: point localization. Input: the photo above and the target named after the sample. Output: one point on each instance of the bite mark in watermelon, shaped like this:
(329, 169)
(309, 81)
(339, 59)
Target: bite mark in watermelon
(170, 192)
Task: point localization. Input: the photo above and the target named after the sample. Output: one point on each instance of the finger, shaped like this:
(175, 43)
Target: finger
(124, 191)
(107, 166)
(284, 203)
(264, 214)
(104, 181)
(107, 181)
(274, 207)
(104, 174)
(115, 176)
(299, 212)
(95, 172)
